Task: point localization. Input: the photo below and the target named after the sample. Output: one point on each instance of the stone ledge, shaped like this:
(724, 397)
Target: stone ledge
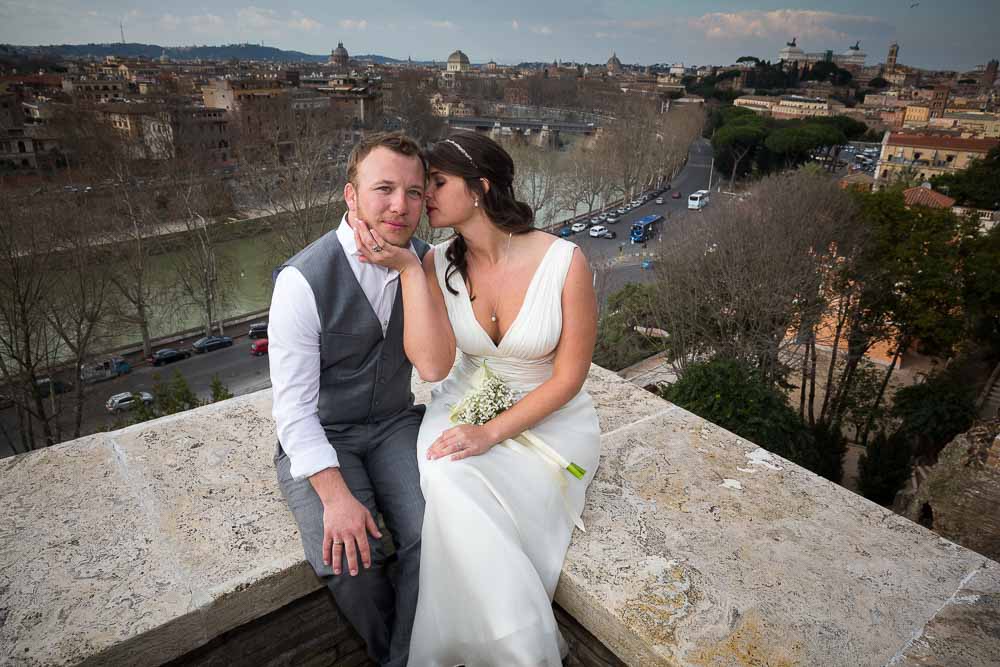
(140, 545)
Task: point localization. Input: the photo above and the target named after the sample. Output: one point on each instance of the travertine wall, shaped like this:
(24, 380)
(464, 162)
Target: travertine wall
(141, 545)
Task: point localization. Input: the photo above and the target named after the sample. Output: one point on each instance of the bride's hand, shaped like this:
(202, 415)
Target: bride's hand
(460, 442)
(388, 255)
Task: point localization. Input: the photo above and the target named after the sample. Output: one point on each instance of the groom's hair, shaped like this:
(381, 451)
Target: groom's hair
(397, 142)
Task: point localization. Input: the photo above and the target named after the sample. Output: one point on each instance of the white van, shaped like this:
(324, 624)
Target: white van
(698, 200)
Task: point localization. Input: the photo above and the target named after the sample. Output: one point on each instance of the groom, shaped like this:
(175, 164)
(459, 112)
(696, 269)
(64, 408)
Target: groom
(345, 418)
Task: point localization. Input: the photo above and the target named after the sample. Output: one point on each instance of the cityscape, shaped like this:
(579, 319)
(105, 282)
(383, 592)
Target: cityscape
(797, 240)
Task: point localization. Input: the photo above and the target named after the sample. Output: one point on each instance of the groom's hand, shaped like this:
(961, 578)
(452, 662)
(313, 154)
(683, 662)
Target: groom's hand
(346, 523)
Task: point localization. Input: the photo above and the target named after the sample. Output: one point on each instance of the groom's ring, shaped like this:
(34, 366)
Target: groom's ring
(376, 248)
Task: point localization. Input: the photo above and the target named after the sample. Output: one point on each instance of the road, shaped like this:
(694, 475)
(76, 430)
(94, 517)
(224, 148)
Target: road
(694, 176)
(243, 373)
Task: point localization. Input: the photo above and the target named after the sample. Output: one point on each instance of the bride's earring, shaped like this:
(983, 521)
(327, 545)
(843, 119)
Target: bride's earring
(475, 202)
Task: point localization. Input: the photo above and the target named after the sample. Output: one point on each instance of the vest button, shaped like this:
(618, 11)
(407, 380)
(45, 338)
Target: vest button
(380, 381)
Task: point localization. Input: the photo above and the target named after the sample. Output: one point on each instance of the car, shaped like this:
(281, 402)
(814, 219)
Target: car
(579, 227)
(647, 265)
(612, 219)
(622, 210)
(676, 195)
(598, 231)
(258, 347)
(665, 188)
(209, 343)
(167, 355)
(45, 387)
(603, 217)
(565, 231)
(128, 400)
(659, 200)
(609, 234)
(595, 221)
(257, 330)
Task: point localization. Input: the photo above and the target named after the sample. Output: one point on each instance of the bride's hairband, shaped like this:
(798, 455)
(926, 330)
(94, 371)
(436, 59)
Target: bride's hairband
(462, 151)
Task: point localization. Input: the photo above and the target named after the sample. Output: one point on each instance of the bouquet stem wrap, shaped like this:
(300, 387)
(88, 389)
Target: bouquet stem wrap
(489, 397)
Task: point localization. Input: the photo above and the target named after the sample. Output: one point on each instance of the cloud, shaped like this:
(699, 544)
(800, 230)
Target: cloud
(206, 23)
(785, 23)
(169, 22)
(515, 25)
(541, 29)
(353, 24)
(270, 21)
(444, 25)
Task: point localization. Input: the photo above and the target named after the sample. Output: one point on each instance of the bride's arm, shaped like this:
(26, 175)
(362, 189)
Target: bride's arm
(428, 339)
(570, 368)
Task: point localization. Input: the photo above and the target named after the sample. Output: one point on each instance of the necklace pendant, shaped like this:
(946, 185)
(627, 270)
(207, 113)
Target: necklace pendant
(493, 317)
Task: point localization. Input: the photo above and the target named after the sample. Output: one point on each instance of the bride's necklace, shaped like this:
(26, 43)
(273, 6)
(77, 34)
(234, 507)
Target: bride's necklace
(506, 254)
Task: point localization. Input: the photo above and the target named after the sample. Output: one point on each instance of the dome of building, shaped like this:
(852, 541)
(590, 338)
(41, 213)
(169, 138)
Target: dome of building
(340, 50)
(458, 58)
(339, 55)
(613, 61)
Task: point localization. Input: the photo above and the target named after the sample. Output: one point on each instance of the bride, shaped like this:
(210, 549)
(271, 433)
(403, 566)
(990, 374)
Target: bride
(499, 516)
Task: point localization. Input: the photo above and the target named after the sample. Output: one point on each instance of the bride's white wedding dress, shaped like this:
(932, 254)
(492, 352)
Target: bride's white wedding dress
(497, 526)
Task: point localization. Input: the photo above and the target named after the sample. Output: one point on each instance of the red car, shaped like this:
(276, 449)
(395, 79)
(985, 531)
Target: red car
(258, 347)
(675, 195)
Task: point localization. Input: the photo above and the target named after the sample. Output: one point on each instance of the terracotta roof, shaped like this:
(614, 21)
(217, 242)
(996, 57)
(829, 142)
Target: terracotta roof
(921, 196)
(941, 142)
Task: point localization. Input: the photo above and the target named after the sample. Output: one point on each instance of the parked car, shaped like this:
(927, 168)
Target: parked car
(167, 355)
(612, 219)
(47, 386)
(595, 221)
(597, 231)
(609, 234)
(622, 210)
(579, 227)
(209, 343)
(257, 330)
(565, 231)
(676, 194)
(127, 400)
(258, 347)
(659, 200)
(647, 264)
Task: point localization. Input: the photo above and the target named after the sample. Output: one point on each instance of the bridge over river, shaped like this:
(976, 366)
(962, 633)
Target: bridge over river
(543, 132)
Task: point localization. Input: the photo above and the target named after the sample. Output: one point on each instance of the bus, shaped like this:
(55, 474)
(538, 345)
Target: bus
(644, 228)
(698, 200)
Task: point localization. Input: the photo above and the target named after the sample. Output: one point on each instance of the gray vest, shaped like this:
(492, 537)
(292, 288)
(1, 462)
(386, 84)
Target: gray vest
(364, 376)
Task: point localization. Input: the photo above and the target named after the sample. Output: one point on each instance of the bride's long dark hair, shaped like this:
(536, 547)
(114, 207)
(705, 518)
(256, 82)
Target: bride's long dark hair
(473, 157)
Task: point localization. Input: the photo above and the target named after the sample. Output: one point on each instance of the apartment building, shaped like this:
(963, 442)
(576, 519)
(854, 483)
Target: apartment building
(925, 155)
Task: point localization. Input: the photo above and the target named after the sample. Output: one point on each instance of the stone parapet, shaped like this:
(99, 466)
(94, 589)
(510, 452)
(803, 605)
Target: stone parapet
(138, 546)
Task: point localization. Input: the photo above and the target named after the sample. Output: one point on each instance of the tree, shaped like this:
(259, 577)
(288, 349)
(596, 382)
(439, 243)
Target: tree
(981, 288)
(883, 468)
(878, 83)
(977, 186)
(28, 346)
(289, 170)
(409, 100)
(931, 413)
(220, 392)
(587, 179)
(735, 141)
(538, 179)
(79, 302)
(720, 288)
(794, 143)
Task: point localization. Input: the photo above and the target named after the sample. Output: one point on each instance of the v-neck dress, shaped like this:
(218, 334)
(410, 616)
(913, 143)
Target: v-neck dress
(497, 526)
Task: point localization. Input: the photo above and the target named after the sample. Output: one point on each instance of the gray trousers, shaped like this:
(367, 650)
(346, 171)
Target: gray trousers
(379, 465)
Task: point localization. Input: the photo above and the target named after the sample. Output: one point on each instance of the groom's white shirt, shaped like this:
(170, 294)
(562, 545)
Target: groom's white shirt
(293, 332)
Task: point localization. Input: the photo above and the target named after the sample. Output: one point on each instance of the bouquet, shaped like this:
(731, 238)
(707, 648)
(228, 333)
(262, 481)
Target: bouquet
(489, 397)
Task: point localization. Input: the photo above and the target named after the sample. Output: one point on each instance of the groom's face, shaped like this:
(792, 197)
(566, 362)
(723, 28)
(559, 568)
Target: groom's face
(387, 194)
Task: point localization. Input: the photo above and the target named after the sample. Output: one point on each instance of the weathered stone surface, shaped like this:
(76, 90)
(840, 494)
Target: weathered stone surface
(139, 546)
(81, 569)
(965, 631)
(960, 497)
(702, 549)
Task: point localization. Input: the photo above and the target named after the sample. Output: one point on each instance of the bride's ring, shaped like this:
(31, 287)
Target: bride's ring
(376, 248)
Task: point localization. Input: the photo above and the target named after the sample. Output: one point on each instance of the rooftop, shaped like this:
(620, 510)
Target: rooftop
(921, 196)
(942, 142)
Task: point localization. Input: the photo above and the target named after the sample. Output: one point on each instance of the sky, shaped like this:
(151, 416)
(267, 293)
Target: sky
(957, 34)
